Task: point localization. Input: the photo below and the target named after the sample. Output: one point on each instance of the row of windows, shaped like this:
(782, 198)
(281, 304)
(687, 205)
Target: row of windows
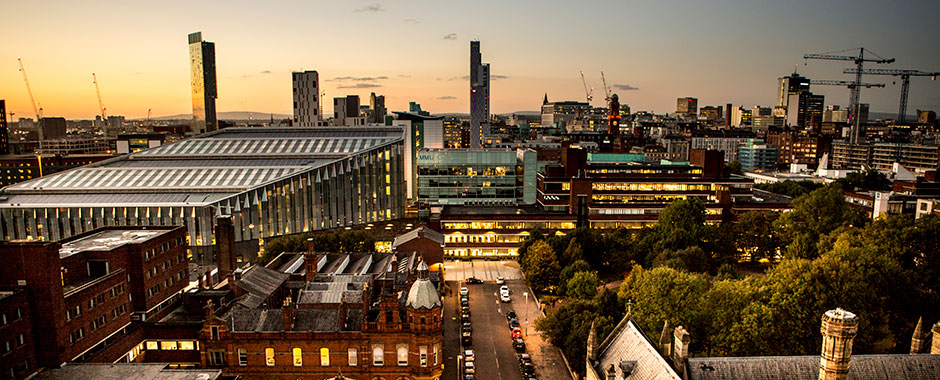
(17, 342)
(14, 316)
(217, 357)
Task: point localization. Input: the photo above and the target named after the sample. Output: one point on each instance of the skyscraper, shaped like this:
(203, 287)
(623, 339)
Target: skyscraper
(202, 81)
(4, 143)
(346, 111)
(792, 85)
(687, 107)
(479, 95)
(306, 98)
(377, 105)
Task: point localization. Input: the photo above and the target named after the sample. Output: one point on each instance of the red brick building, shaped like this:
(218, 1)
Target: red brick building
(425, 241)
(83, 291)
(17, 352)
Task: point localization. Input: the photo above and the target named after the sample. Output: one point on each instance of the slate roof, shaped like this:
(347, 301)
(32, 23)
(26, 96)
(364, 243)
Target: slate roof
(627, 342)
(123, 371)
(423, 295)
(242, 319)
(259, 283)
(435, 236)
(862, 367)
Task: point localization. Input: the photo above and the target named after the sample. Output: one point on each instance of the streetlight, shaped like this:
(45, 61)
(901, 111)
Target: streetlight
(526, 295)
(459, 357)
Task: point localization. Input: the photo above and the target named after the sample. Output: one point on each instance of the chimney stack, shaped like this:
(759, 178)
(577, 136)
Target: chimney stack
(208, 279)
(680, 349)
(728, 116)
(288, 314)
(935, 346)
(310, 265)
(838, 330)
(225, 245)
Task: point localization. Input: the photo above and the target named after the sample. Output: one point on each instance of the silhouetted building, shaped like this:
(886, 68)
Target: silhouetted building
(479, 95)
(306, 98)
(53, 128)
(346, 111)
(203, 83)
(4, 131)
(377, 106)
(686, 107)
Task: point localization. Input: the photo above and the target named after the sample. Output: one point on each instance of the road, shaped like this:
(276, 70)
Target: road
(495, 357)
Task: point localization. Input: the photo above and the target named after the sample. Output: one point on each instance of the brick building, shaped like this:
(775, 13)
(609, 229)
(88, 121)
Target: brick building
(17, 351)
(425, 241)
(84, 291)
(361, 316)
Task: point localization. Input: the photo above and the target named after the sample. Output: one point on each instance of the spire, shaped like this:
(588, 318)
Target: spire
(917, 340)
(592, 345)
(545, 101)
(665, 340)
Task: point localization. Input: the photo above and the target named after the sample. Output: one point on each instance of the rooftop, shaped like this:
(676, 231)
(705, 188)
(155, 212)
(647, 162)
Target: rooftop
(104, 371)
(109, 239)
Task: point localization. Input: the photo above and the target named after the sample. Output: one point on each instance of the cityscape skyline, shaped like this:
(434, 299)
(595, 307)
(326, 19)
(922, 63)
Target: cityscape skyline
(735, 43)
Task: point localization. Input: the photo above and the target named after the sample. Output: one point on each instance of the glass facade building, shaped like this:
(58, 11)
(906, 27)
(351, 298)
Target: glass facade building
(202, 82)
(273, 181)
(476, 176)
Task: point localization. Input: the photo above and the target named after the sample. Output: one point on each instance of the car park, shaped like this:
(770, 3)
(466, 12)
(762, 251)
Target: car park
(474, 280)
(518, 345)
(468, 355)
(500, 281)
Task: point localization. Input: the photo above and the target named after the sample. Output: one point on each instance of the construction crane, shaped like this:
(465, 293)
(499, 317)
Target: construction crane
(104, 112)
(855, 91)
(905, 82)
(845, 83)
(606, 89)
(149, 114)
(36, 110)
(588, 93)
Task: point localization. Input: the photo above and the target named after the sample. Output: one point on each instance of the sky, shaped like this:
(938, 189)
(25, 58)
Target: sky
(652, 52)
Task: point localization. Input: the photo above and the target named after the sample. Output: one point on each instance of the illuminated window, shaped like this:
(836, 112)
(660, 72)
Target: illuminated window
(242, 357)
(423, 350)
(325, 357)
(165, 345)
(352, 357)
(269, 356)
(153, 345)
(298, 356)
(378, 356)
(402, 355)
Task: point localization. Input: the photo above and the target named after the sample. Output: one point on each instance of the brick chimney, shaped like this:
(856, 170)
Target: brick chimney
(680, 349)
(208, 279)
(342, 314)
(838, 330)
(310, 265)
(288, 310)
(225, 245)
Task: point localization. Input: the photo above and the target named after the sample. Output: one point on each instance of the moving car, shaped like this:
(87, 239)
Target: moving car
(500, 281)
(468, 355)
(474, 280)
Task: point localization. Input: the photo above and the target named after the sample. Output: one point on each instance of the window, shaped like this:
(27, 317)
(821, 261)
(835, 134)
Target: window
(353, 357)
(20, 340)
(214, 332)
(436, 351)
(242, 357)
(402, 355)
(298, 356)
(423, 351)
(153, 345)
(269, 356)
(217, 357)
(168, 345)
(378, 356)
(187, 345)
(324, 357)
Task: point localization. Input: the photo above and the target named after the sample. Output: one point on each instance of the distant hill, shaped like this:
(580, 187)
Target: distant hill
(231, 115)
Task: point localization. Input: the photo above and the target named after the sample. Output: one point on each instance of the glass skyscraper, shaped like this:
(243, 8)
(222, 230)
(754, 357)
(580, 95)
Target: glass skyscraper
(202, 81)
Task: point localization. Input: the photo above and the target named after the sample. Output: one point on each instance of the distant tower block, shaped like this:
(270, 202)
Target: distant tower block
(838, 330)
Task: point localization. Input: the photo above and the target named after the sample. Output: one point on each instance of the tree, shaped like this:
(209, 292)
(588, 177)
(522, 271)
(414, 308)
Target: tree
(572, 253)
(869, 179)
(734, 167)
(814, 215)
(276, 246)
(567, 327)
(541, 266)
(792, 189)
(664, 293)
(569, 271)
(754, 236)
(356, 241)
(583, 285)
(692, 259)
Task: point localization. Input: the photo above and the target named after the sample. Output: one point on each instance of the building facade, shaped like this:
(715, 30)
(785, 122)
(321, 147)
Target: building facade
(306, 95)
(203, 83)
(756, 156)
(274, 181)
(17, 347)
(479, 95)
(4, 130)
(476, 176)
(346, 111)
(686, 107)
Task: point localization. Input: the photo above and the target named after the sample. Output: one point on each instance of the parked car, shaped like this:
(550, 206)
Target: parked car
(466, 339)
(518, 345)
(513, 323)
(468, 367)
(464, 291)
(500, 281)
(466, 328)
(468, 355)
(465, 302)
(474, 280)
(516, 333)
(504, 289)
(505, 298)
(524, 358)
(511, 314)
(465, 317)
(465, 310)
(528, 370)
(468, 376)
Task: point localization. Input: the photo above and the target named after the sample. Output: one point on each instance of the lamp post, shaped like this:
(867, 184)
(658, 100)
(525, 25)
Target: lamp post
(459, 357)
(526, 295)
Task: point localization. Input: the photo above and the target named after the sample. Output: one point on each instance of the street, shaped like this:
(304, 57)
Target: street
(492, 346)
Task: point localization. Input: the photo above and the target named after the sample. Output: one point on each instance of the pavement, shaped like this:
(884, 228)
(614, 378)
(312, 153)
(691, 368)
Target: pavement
(492, 346)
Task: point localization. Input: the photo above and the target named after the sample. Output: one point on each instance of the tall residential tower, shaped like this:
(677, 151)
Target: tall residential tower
(479, 95)
(306, 98)
(202, 81)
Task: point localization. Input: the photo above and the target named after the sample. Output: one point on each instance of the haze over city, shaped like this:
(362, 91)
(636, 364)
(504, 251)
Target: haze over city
(726, 51)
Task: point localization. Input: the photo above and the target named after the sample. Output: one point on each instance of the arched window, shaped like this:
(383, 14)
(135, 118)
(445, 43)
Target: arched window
(298, 356)
(325, 357)
(402, 355)
(269, 356)
(378, 356)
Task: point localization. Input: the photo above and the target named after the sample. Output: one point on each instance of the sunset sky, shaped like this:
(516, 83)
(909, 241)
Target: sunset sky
(719, 51)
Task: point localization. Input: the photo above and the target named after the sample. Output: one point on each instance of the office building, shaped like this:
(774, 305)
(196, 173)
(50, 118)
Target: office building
(686, 108)
(794, 84)
(4, 129)
(422, 131)
(757, 156)
(741, 117)
(564, 114)
(476, 176)
(306, 86)
(346, 111)
(913, 157)
(710, 113)
(377, 106)
(275, 181)
(835, 116)
(850, 156)
(85, 290)
(479, 96)
(115, 124)
(798, 146)
(923, 117)
(723, 140)
(203, 83)
(52, 128)
(76, 145)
